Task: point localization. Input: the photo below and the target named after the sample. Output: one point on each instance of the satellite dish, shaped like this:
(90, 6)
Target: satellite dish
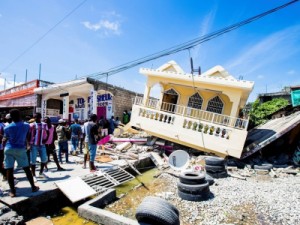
(179, 160)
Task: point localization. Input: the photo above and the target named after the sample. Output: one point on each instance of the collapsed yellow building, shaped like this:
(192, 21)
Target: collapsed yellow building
(199, 111)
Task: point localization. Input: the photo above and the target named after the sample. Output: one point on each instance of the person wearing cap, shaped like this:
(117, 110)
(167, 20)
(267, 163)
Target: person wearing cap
(14, 144)
(39, 134)
(62, 139)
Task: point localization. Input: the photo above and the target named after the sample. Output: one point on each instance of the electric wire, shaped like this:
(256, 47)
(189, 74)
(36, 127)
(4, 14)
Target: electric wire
(43, 36)
(185, 46)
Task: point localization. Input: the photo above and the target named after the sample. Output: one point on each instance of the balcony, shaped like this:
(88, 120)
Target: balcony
(199, 129)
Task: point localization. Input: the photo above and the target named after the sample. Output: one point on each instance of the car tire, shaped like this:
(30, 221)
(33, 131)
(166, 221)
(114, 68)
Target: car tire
(217, 175)
(193, 189)
(214, 161)
(209, 179)
(192, 178)
(215, 168)
(156, 213)
(163, 202)
(265, 166)
(192, 197)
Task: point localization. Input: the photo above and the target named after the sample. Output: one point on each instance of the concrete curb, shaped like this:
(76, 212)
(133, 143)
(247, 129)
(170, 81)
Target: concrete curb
(92, 210)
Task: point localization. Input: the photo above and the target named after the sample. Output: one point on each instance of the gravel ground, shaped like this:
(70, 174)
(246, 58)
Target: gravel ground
(258, 200)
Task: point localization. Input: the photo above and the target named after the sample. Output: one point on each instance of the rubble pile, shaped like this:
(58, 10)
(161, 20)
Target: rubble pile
(246, 196)
(9, 217)
(260, 199)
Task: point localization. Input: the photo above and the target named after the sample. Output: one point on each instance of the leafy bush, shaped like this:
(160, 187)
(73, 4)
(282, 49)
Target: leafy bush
(260, 112)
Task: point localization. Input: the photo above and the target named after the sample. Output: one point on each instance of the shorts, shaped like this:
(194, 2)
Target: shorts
(86, 148)
(15, 154)
(50, 149)
(92, 149)
(42, 152)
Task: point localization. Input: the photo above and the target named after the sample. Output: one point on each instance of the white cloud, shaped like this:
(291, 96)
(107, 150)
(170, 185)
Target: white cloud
(260, 77)
(106, 26)
(205, 27)
(291, 72)
(275, 47)
(9, 84)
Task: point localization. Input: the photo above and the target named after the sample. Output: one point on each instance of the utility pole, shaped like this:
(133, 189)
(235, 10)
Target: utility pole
(4, 83)
(14, 80)
(26, 76)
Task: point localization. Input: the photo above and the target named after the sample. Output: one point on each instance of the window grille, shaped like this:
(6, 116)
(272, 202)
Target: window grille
(195, 101)
(215, 105)
(171, 92)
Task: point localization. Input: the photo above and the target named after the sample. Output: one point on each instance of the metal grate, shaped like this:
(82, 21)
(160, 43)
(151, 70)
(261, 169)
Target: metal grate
(215, 105)
(101, 181)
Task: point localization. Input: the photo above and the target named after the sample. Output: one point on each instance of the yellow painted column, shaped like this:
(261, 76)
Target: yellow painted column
(146, 94)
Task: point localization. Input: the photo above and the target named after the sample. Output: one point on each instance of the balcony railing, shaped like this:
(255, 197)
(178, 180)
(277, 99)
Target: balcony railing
(198, 114)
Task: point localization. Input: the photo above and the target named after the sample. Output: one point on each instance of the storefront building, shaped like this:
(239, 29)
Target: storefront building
(78, 99)
(21, 97)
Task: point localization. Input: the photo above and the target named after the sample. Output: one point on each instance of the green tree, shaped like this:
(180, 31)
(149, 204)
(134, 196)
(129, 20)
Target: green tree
(260, 112)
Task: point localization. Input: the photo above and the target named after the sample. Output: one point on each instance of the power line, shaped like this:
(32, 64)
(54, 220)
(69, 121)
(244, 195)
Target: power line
(186, 45)
(43, 36)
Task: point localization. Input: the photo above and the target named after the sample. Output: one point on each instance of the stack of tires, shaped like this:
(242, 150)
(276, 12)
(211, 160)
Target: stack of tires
(157, 211)
(215, 167)
(193, 186)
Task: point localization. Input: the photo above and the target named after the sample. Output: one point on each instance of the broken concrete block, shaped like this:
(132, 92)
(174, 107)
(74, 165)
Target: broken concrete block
(157, 160)
(273, 174)
(123, 146)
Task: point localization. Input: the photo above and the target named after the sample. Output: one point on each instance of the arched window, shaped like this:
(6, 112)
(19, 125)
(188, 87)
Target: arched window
(171, 92)
(195, 101)
(215, 105)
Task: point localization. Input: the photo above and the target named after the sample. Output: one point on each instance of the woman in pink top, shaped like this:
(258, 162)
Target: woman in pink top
(50, 146)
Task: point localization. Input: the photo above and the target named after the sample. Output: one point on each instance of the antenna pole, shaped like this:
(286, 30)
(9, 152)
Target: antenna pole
(14, 80)
(40, 71)
(26, 76)
(192, 66)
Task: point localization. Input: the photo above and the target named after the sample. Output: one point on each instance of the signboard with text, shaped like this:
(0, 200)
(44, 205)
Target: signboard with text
(295, 96)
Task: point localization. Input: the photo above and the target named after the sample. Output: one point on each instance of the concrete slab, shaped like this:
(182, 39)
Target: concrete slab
(72, 169)
(75, 189)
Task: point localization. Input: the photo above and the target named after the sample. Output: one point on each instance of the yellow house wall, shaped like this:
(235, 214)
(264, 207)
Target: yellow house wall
(186, 92)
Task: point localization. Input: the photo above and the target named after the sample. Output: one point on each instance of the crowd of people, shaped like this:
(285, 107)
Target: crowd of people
(22, 141)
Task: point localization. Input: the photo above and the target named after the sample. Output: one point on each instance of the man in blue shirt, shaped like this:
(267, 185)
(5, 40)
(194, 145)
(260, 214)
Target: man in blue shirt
(75, 129)
(14, 144)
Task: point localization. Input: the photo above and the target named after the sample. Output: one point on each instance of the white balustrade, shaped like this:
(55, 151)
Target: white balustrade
(200, 115)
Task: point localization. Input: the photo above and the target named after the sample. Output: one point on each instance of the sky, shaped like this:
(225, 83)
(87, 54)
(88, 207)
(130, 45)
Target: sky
(75, 38)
